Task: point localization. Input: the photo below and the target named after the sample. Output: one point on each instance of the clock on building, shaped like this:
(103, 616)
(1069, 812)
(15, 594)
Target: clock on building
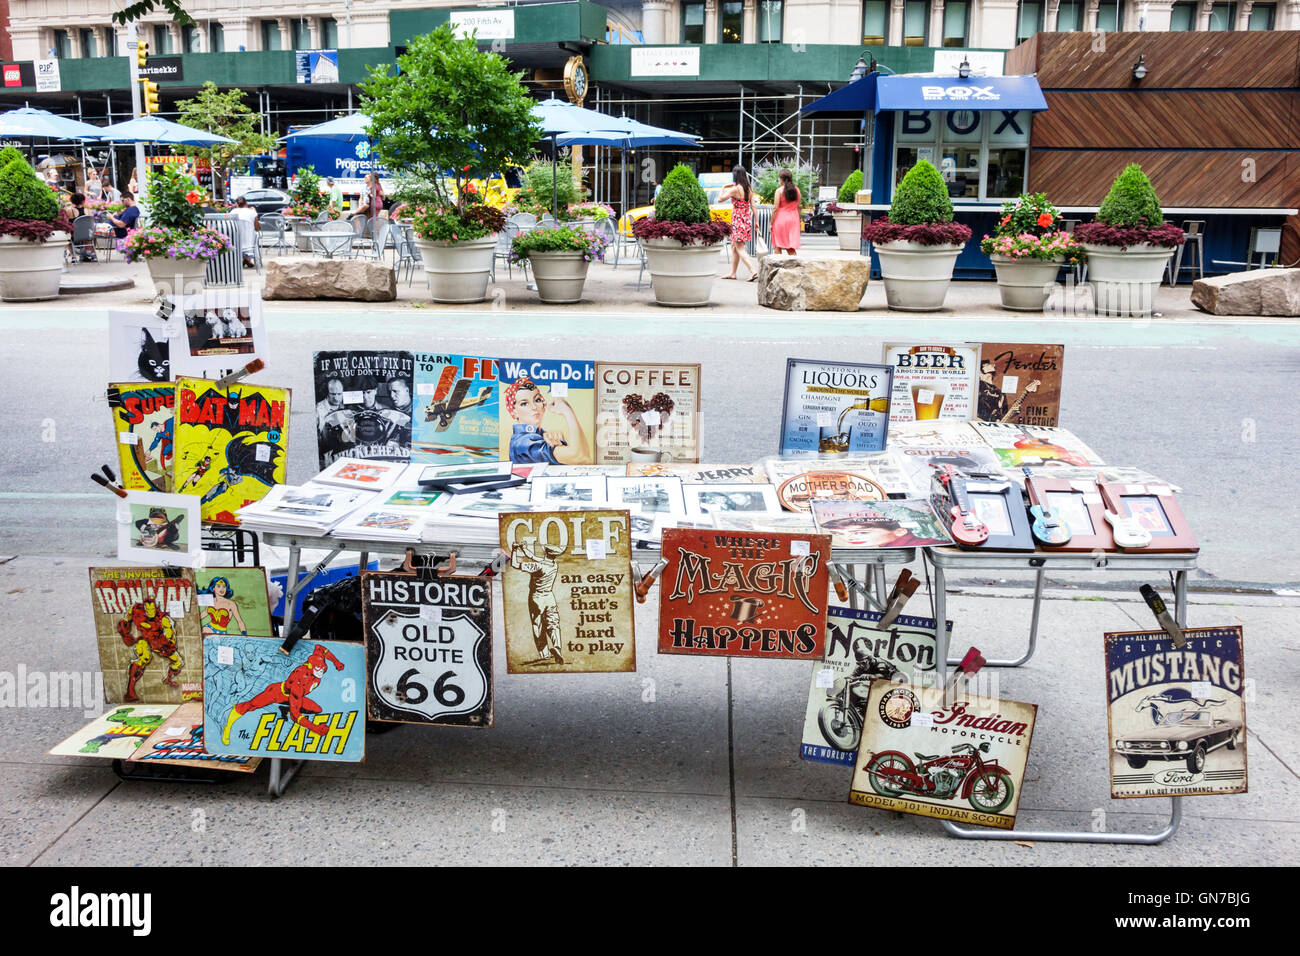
(575, 79)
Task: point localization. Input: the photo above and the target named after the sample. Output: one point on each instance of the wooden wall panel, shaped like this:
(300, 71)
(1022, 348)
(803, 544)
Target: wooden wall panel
(1021, 60)
(1226, 59)
(1204, 180)
(1184, 119)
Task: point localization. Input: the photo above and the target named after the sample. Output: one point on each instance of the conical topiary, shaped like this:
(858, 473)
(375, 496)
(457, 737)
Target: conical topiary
(24, 196)
(1132, 202)
(849, 191)
(681, 198)
(921, 198)
(8, 155)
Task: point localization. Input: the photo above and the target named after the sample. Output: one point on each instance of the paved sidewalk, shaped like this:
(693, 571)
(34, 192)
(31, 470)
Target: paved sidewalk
(687, 761)
(614, 290)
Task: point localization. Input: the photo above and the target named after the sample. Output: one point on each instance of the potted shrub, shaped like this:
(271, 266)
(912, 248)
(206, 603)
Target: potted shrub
(848, 223)
(1028, 249)
(33, 233)
(175, 245)
(681, 241)
(450, 114)
(918, 243)
(560, 256)
(1128, 246)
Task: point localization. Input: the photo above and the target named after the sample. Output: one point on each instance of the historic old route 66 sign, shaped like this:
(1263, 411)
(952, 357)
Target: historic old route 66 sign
(429, 645)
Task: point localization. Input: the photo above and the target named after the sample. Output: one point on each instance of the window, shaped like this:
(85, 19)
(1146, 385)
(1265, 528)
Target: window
(270, 35)
(1182, 16)
(1110, 16)
(300, 33)
(692, 23)
(981, 155)
(62, 44)
(1223, 16)
(770, 15)
(1261, 17)
(731, 21)
(916, 16)
(88, 47)
(216, 38)
(955, 13)
(329, 33)
(162, 40)
(110, 41)
(1069, 16)
(1030, 21)
(875, 22)
(191, 39)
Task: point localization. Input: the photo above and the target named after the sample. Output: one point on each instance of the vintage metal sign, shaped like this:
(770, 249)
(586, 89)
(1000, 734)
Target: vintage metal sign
(568, 592)
(1177, 716)
(832, 409)
(743, 594)
(647, 413)
(963, 762)
(429, 648)
(932, 382)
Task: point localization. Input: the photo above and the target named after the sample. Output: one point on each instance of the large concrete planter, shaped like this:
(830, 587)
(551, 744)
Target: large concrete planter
(178, 276)
(848, 228)
(683, 275)
(1124, 281)
(916, 276)
(457, 272)
(1025, 285)
(559, 276)
(30, 271)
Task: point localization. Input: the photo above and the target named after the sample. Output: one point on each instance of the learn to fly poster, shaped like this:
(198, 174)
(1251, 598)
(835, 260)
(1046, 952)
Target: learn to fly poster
(231, 444)
(457, 402)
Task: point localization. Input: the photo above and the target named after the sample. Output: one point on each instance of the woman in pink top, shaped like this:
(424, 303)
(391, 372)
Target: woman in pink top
(786, 221)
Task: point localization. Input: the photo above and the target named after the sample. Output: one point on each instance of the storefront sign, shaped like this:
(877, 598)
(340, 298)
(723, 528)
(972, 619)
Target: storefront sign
(163, 68)
(47, 76)
(317, 66)
(484, 24)
(665, 61)
(19, 74)
(981, 62)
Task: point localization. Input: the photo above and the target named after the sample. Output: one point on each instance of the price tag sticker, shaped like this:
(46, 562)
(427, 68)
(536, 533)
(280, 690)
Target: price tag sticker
(920, 719)
(1082, 484)
(825, 677)
(925, 396)
(263, 453)
(129, 438)
(1159, 490)
(799, 548)
(650, 419)
(825, 419)
(426, 388)
(352, 398)
(174, 731)
(1010, 383)
(175, 609)
(1202, 689)
(431, 613)
(1135, 489)
(225, 654)
(1092, 498)
(205, 600)
(595, 549)
(560, 389)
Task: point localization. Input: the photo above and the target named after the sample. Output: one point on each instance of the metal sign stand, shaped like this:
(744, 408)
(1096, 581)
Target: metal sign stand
(944, 558)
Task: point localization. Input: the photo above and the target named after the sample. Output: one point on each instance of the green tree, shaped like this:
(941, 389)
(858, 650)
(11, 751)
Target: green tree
(224, 113)
(921, 198)
(1132, 202)
(450, 111)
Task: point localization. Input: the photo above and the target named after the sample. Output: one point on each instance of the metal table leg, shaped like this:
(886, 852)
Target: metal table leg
(1033, 626)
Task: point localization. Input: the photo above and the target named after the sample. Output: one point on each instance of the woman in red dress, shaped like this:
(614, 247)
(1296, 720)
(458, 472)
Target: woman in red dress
(741, 194)
(786, 221)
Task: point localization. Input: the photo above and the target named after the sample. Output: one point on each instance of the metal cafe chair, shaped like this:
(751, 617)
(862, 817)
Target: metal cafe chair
(331, 239)
(502, 250)
(273, 233)
(408, 255)
(83, 240)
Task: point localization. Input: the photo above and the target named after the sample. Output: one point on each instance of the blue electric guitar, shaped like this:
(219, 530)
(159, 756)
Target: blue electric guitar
(1048, 528)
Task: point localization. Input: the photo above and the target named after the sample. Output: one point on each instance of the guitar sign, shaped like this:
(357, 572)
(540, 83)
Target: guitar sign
(966, 527)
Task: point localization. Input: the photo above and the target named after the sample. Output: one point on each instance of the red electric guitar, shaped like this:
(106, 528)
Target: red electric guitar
(966, 527)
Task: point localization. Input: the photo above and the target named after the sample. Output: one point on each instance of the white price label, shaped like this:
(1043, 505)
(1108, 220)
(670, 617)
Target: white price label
(559, 389)
(352, 398)
(1082, 484)
(1202, 689)
(1159, 490)
(205, 600)
(920, 719)
(426, 388)
(825, 419)
(596, 549)
(925, 396)
(263, 453)
(431, 613)
(175, 731)
(1030, 460)
(175, 609)
(225, 654)
(825, 677)
(799, 548)
(1135, 489)
(650, 419)
(129, 438)
(1010, 383)
(1092, 498)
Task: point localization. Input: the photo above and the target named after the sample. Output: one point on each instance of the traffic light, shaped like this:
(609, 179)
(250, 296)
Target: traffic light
(142, 54)
(149, 96)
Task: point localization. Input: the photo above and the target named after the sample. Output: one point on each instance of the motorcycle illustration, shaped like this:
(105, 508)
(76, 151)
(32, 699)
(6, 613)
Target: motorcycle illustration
(987, 785)
(840, 718)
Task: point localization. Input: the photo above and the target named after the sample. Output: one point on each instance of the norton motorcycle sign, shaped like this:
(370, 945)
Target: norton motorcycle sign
(429, 648)
(1177, 716)
(965, 762)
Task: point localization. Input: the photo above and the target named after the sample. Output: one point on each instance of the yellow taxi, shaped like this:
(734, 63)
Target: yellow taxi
(713, 184)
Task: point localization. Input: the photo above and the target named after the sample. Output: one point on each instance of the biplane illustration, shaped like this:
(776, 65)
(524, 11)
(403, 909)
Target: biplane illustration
(444, 411)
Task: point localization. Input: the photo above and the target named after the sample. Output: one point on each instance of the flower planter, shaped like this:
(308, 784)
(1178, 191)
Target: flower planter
(1124, 281)
(916, 276)
(1025, 284)
(559, 275)
(457, 272)
(682, 275)
(848, 227)
(178, 276)
(30, 271)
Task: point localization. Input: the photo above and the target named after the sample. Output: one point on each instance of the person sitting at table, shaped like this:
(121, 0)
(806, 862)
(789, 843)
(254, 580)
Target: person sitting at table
(76, 205)
(125, 220)
(244, 212)
(111, 193)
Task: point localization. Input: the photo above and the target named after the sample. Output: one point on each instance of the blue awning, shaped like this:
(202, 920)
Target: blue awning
(978, 93)
(848, 102)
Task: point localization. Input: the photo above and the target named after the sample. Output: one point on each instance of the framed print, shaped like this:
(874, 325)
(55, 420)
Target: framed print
(1155, 509)
(833, 408)
(223, 331)
(158, 528)
(588, 490)
(434, 476)
(999, 505)
(653, 495)
(742, 496)
(140, 346)
(698, 473)
(647, 412)
(359, 474)
(1079, 504)
(932, 382)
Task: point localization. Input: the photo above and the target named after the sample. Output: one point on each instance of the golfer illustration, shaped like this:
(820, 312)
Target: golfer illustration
(542, 570)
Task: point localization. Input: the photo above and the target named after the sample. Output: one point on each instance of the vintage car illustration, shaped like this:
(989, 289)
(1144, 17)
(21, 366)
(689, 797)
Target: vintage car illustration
(1181, 735)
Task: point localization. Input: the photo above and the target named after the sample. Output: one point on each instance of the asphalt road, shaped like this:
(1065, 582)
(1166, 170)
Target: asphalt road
(1208, 406)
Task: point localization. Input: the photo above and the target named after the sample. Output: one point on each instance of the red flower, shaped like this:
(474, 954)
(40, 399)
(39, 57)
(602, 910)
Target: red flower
(471, 188)
(464, 169)
(1044, 220)
(192, 197)
(1005, 219)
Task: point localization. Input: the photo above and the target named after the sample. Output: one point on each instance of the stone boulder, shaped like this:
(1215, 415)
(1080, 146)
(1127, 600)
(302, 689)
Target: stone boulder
(365, 281)
(1255, 292)
(802, 284)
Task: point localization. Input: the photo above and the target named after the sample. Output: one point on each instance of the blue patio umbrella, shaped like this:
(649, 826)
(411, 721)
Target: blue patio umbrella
(344, 129)
(154, 129)
(558, 118)
(631, 134)
(42, 124)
